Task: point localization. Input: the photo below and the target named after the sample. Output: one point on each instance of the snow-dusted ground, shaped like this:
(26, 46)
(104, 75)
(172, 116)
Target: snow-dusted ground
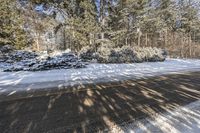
(111, 72)
(12, 82)
(182, 120)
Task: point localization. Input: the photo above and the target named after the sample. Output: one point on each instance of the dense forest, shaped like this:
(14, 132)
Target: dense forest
(173, 25)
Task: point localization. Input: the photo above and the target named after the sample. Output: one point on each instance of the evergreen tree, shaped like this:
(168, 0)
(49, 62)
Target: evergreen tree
(110, 22)
(11, 25)
(189, 16)
(83, 27)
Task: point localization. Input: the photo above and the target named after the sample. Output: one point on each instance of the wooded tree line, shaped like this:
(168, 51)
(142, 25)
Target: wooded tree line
(170, 24)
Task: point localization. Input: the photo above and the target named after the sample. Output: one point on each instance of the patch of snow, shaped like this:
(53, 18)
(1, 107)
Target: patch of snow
(101, 72)
(182, 120)
(39, 7)
(59, 53)
(50, 10)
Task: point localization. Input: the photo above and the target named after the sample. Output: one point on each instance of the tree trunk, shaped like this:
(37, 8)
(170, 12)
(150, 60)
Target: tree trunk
(102, 17)
(37, 42)
(190, 45)
(126, 41)
(182, 45)
(139, 38)
(166, 39)
(146, 39)
(64, 38)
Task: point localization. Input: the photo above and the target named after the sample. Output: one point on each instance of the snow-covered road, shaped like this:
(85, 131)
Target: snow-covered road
(148, 97)
(100, 72)
(23, 81)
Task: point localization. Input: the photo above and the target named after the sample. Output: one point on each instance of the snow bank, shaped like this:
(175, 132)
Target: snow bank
(101, 72)
(26, 83)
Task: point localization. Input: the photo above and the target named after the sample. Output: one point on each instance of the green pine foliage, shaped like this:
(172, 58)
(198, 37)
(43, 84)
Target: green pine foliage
(111, 22)
(11, 25)
(83, 27)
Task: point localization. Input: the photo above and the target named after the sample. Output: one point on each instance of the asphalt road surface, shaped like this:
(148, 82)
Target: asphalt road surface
(99, 107)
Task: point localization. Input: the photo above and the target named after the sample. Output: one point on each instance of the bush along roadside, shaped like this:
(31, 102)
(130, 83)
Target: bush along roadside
(18, 60)
(125, 54)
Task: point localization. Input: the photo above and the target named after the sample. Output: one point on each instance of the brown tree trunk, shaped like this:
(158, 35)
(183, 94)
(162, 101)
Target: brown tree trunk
(190, 45)
(139, 38)
(102, 19)
(64, 39)
(37, 42)
(146, 40)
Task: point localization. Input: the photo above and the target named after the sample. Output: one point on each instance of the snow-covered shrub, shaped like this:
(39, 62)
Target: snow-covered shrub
(114, 56)
(149, 54)
(103, 53)
(121, 55)
(31, 61)
(6, 48)
(125, 54)
(128, 54)
(141, 54)
(87, 53)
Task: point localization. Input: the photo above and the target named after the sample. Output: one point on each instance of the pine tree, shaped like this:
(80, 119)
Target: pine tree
(83, 27)
(127, 18)
(11, 25)
(189, 19)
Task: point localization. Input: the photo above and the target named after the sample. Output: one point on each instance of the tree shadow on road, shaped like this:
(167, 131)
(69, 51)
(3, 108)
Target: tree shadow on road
(99, 107)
